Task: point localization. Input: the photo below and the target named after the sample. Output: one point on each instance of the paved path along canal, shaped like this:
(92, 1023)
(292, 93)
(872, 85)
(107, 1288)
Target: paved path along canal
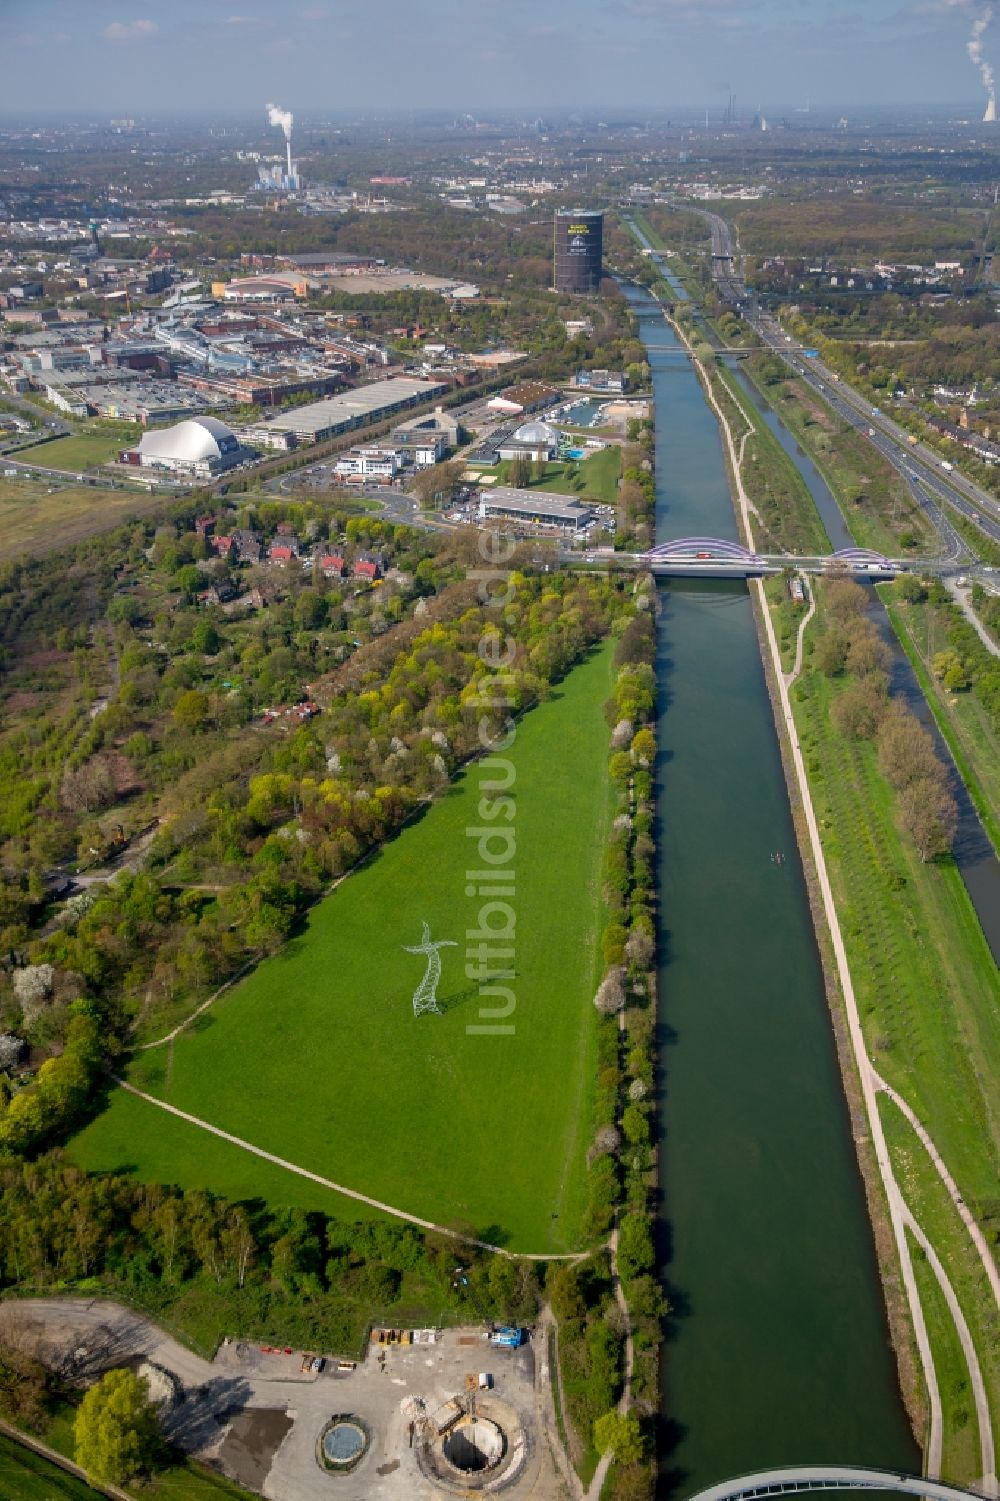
(778, 1350)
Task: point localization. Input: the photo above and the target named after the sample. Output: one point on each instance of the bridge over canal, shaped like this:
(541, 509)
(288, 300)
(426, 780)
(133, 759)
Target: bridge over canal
(714, 557)
(799, 1478)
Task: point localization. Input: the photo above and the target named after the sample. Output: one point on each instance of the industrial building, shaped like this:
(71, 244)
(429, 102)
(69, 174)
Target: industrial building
(537, 507)
(579, 247)
(199, 447)
(339, 414)
(614, 381)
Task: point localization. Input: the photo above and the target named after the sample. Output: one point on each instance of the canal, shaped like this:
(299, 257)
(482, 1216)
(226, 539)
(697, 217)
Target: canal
(778, 1348)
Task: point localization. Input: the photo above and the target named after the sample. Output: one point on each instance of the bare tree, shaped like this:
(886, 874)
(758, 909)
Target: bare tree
(867, 653)
(930, 816)
(844, 599)
(905, 750)
(607, 1141)
(860, 709)
(88, 787)
(639, 949)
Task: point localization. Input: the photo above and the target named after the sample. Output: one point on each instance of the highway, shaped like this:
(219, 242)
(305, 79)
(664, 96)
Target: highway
(929, 484)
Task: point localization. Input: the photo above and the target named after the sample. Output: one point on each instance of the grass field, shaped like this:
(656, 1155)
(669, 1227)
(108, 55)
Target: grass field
(26, 1476)
(597, 477)
(960, 1461)
(33, 521)
(939, 1220)
(182, 1481)
(787, 519)
(79, 452)
(318, 1058)
(926, 984)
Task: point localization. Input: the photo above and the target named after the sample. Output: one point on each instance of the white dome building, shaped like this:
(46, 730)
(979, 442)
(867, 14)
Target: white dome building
(532, 440)
(199, 446)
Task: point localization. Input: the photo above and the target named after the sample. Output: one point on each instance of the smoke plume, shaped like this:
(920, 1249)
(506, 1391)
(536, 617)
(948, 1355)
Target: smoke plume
(974, 47)
(282, 117)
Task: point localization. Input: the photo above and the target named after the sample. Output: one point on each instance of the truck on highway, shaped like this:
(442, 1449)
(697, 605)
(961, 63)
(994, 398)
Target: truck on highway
(945, 464)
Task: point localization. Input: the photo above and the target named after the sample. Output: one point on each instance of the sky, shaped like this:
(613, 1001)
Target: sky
(141, 56)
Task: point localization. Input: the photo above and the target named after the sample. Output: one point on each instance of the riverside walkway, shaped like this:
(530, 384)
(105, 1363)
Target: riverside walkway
(798, 1478)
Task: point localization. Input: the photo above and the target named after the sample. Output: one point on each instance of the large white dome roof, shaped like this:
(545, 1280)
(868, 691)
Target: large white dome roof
(537, 432)
(189, 442)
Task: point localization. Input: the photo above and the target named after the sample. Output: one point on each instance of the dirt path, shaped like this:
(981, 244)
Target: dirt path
(961, 598)
(348, 1193)
(546, 1377)
(790, 677)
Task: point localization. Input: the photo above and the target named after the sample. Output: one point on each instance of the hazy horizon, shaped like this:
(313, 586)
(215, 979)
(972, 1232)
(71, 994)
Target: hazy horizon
(540, 56)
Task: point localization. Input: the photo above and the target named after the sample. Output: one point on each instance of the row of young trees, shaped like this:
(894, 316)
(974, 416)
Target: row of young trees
(852, 646)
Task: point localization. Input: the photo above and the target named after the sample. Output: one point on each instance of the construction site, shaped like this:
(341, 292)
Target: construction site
(427, 1412)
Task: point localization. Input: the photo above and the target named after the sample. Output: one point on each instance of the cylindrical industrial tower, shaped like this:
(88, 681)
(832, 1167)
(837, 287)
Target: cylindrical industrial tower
(579, 236)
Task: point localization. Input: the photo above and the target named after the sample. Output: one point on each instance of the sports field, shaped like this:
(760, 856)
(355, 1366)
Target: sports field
(318, 1058)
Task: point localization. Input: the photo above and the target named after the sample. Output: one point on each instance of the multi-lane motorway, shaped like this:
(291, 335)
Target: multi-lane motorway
(932, 487)
(920, 465)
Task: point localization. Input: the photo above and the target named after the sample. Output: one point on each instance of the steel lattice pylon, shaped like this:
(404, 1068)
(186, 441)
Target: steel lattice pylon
(425, 995)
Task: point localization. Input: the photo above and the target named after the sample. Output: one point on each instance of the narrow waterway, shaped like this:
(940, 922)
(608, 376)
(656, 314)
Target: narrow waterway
(974, 854)
(778, 1349)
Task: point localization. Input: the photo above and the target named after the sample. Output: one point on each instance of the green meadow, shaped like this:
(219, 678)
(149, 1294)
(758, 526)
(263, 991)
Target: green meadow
(317, 1055)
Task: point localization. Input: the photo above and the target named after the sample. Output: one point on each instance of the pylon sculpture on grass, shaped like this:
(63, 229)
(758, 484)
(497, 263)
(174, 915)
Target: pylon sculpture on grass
(425, 995)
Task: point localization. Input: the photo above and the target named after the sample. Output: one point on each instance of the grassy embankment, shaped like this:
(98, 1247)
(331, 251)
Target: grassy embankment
(787, 519)
(27, 1476)
(33, 520)
(928, 995)
(318, 1058)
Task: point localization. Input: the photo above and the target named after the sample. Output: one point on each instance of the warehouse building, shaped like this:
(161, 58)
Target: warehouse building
(535, 507)
(351, 409)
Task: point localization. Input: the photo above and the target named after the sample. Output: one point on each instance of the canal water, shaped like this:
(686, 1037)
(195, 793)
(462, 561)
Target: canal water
(778, 1349)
